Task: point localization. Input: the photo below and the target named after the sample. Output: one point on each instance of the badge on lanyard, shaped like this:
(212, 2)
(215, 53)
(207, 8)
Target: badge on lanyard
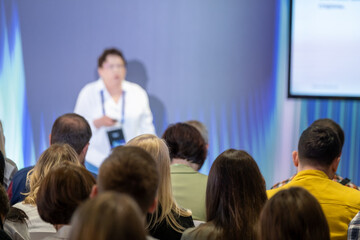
(115, 135)
(116, 138)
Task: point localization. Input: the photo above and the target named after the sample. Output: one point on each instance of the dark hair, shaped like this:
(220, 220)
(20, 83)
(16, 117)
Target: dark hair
(319, 145)
(185, 142)
(108, 216)
(61, 191)
(327, 122)
(110, 51)
(133, 171)
(4, 202)
(2, 168)
(72, 129)
(293, 214)
(235, 195)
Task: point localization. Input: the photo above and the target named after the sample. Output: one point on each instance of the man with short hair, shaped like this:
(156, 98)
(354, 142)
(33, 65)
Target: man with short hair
(317, 160)
(133, 171)
(69, 128)
(326, 122)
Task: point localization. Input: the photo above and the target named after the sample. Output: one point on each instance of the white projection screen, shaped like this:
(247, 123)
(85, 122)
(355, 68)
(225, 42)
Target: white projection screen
(324, 54)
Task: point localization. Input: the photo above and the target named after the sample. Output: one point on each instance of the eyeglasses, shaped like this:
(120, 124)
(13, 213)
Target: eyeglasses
(113, 66)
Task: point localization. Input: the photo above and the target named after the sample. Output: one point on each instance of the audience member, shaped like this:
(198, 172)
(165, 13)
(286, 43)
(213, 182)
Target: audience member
(187, 152)
(7, 167)
(55, 155)
(133, 171)
(317, 159)
(235, 195)
(69, 128)
(109, 216)
(326, 122)
(354, 228)
(4, 209)
(293, 214)
(201, 129)
(60, 193)
(169, 220)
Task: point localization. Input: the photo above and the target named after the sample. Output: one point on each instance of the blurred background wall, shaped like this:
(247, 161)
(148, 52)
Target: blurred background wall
(223, 63)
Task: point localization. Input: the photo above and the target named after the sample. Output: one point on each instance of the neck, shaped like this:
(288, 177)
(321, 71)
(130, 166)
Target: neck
(113, 86)
(58, 226)
(194, 166)
(327, 171)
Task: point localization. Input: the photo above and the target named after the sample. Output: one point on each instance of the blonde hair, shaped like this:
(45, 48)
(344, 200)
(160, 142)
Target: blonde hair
(2, 140)
(50, 158)
(160, 152)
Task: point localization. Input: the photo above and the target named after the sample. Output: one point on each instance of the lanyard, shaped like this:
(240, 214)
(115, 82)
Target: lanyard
(123, 105)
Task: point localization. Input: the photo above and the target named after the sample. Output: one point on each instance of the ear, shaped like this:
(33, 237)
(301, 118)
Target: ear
(295, 157)
(49, 139)
(94, 191)
(83, 154)
(153, 206)
(335, 164)
(100, 71)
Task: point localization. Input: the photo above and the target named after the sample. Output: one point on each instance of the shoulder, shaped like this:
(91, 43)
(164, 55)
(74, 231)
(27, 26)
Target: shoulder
(91, 87)
(21, 174)
(131, 87)
(203, 231)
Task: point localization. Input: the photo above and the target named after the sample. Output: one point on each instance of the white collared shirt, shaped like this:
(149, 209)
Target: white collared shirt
(137, 115)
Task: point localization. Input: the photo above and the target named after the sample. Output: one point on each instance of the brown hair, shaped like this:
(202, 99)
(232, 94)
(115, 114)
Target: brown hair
(201, 128)
(185, 142)
(61, 191)
(130, 170)
(50, 158)
(235, 195)
(169, 209)
(108, 216)
(110, 51)
(293, 214)
(72, 129)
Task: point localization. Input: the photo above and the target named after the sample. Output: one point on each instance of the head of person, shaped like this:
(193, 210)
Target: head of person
(185, 142)
(4, 204)
(74, 130)
(133, 171)
(201, 128)
(319, 148)
(235, 195)
(112, 66)
(61, 192)
(109, 216)
(52, 157)
(160, 152)
(327, 122)
(305, 221)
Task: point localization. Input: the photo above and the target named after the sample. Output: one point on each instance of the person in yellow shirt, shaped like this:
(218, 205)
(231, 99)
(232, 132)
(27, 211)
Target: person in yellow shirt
(317, 159)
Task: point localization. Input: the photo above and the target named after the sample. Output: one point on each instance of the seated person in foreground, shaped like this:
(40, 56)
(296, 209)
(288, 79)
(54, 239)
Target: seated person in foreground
(52, 157)
(326, 122)
(169, 220)
(69, 128)
(4, 209)
(235, 195)
(317, 159)
(133, 171)
(293, 214)
(187, 152)
(354, 228)
(60, 193)
(109, 216)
